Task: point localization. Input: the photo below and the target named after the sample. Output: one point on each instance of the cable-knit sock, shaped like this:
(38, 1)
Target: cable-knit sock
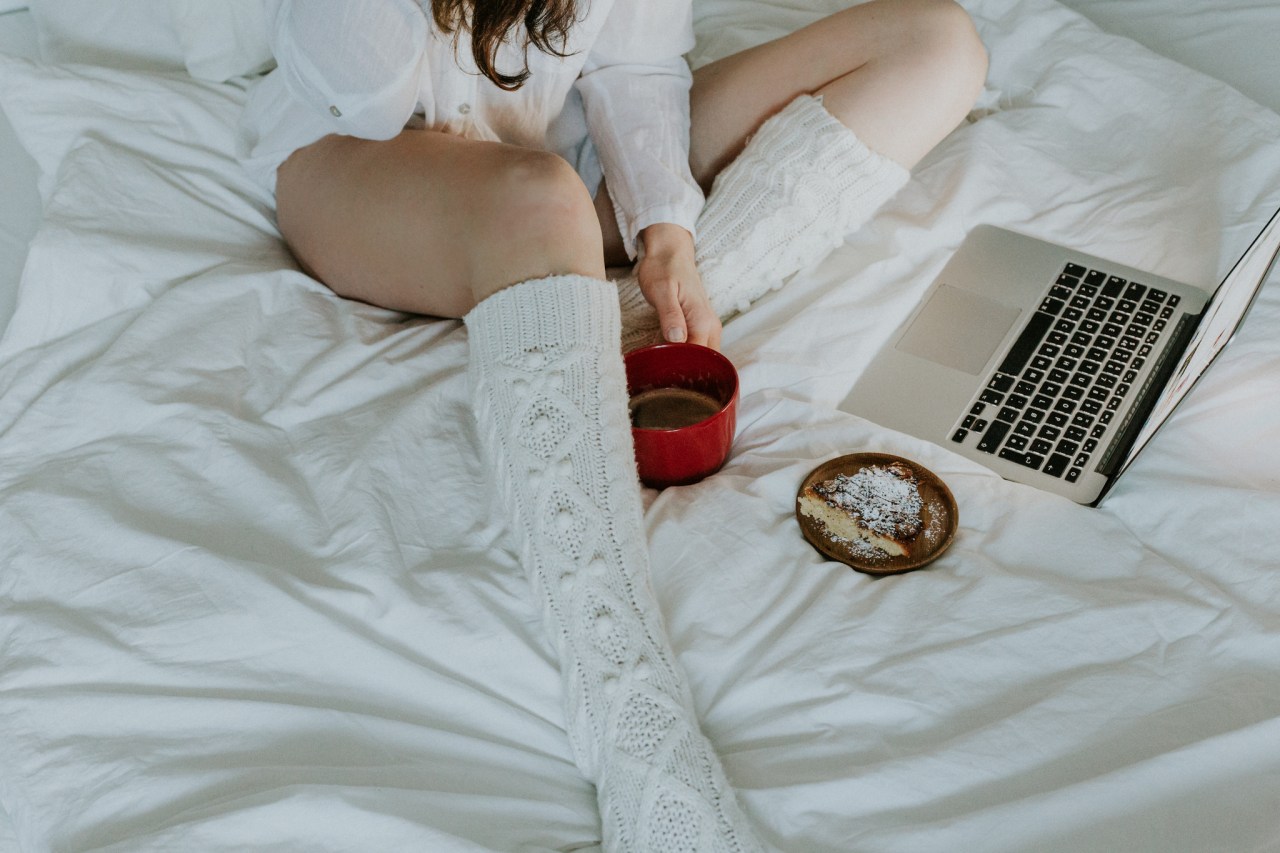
(802, 183)
(550, 396)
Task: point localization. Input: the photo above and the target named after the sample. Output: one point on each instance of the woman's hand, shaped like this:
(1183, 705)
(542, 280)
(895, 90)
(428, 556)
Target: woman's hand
(669, 280)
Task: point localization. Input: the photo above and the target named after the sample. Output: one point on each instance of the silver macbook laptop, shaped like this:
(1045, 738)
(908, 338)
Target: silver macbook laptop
(1049, 366)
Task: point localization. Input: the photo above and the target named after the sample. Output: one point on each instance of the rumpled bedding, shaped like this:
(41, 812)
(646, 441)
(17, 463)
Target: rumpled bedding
(254, 595)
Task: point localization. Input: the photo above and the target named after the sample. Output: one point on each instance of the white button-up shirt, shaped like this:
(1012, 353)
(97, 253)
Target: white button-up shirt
(370, 67)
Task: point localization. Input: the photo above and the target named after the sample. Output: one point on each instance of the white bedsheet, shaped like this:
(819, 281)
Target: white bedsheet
(253, 596)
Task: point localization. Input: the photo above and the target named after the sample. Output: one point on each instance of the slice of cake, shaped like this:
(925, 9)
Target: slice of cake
(878, 507)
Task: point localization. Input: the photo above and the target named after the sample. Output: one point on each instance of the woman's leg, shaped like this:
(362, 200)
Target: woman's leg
(893, 77)
(509, 239)
(900, 74)
(430, 223)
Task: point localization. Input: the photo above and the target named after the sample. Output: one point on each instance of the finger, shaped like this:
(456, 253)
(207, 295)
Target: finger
(703, 325)
(671, 317)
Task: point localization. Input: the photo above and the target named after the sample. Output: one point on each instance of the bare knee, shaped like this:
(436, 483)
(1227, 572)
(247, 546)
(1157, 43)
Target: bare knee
(941, 35)
(535, 218)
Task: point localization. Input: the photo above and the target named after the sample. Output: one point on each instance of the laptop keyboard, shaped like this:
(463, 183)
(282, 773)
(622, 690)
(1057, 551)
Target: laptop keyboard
(1061, 384)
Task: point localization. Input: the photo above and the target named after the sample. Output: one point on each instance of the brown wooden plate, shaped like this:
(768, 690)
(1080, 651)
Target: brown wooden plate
(939, 517)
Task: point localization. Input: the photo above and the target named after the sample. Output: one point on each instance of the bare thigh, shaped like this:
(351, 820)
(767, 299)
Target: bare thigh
(431, 223)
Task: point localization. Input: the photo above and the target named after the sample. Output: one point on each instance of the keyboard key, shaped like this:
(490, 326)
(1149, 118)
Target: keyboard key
(1061, 293)
(1000, 382)
(968, 422)
(1032, 375)
(1174, 299)
(1073, 475)
(1016, 442)
(1073, 392)
(993, 436)
(1030, 460)
(1089, 368)
(1082, 420)
(1025, 428)
(1026, 344)
(1040, 401)
(1074, 270)
(1081, 380)
(1098, 393)
(1064, 406)
(1105, 417)
(1158, 295)
(1049, 350)
(959, 435)
(1072, 314)
(1007, 415)
(1128, 306)
(1114, 286)
(1041, 446)
(1135, 292)
(1091, 406)
(1057, 419)
(1098, 432)
(991, 397)
(1024, 388)
(1050, 433)
(1017, 402)
(1097, 278)
(1041, 363)
(1068, 447)
(978, 408)
(1086, 289)
(1090, 445)
(1068, 280)
(979, 425)
(1034, 416)
(1074, 433)
(1051, 306)
(1066, 363)
(1050, 389)
(1056, 465)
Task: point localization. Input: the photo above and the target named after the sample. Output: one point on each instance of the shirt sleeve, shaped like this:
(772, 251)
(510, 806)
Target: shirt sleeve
(635, 89)
(357, 63)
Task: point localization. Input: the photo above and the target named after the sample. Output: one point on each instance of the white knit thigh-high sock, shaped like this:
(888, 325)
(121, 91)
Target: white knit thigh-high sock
(550, 396)
(802, 183)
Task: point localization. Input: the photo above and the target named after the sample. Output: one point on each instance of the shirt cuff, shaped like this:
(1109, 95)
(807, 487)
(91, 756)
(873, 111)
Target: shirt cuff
(685, 215)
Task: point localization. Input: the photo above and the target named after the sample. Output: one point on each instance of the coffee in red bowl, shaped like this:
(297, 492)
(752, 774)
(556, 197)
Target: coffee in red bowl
(684, 400)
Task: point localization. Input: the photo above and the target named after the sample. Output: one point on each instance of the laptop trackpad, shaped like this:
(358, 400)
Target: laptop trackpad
(958, 329)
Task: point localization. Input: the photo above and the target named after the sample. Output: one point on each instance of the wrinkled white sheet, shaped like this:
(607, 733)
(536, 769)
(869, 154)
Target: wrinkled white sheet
(252, 595)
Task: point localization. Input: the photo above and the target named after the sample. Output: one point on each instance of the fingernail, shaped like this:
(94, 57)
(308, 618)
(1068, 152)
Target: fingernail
(675, 334)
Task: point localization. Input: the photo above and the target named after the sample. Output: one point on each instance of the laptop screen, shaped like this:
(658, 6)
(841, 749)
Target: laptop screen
(1222, 317)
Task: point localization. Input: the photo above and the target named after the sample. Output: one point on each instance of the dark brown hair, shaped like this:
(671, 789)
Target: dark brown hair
(546, 26)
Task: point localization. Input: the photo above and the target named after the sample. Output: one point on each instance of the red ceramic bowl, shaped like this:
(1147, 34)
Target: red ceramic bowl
(677, 457)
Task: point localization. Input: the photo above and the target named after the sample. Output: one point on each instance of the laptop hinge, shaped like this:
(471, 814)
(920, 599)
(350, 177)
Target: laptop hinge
(1148, 395)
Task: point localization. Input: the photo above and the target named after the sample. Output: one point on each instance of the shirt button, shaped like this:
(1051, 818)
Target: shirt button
(464, 108)
(337, 113)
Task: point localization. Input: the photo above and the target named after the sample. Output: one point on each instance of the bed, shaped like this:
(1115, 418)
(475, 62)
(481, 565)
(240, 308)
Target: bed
(251, 596)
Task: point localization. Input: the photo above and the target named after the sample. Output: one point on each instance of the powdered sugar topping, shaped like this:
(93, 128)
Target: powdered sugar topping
(885, 499)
